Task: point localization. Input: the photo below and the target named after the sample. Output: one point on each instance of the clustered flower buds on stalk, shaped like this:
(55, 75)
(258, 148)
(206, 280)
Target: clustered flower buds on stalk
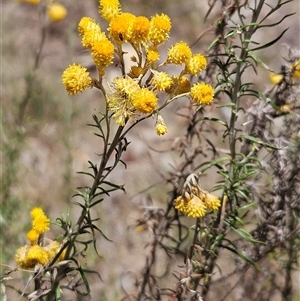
(194, 201)
(28, 256)
(135, 91)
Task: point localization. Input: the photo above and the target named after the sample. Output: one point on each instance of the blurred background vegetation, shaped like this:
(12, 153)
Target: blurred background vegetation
(45, 139)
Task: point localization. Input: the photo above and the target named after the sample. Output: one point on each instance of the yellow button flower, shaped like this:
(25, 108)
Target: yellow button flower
(195, 207)
(103, 53)
(180, 204)
(125, 85)
(33, 236)
(27, 257)
(179, 54)
(90, 31)
(76, 79)
(36, 255)
(152, 55)
(196, 64)
(179, 85)
(41, 223)
(211, 201)
(87, 24)
(275, 78)
(144, 100)
(36, 211)
(20, 257)
(120, 27)
(161, 81)
(160, 127)
(140, 30)
(53, 248)
(160, 26)
(109, 9)
(56, 12)
(202, 94)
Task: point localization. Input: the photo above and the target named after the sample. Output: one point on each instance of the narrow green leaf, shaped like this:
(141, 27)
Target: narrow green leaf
(241, 255)
(258, 141)
(274, 24)
(258, 61)
(213, 43)
(246, 235)
(240, 192)
(247, 206)
(270, 43)
(228, 104)
(217, 120)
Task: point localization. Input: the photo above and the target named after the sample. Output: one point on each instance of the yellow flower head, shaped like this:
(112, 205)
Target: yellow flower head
(87, 24)
(119, 101)
(275, 78)
(90, 31)
(196, 64)
(56, 12)
(179, 54)
(91, 37)
(109, 9)
(160, 127)
(36, 211)
(152, 55)
(195, 207)
(144, 100)
(76, 79)
(36, 255)
(27, 257)
(180, 85)
(103, 53)
(140, 30)
(125, 86)
(20, 257)
(121, 27)
(41, 223)
(33, 236)
(180, 204)
(202, 94)
(53, 248)
(161, 81)
(211, 201)
(296, 70)
(184, 85)
(160, 26)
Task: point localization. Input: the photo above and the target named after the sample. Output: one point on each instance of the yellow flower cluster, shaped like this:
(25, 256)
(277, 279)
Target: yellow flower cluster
(136, 91)
(76, 79)
(56, 12)
(194, 201)
(202, 94)
(28, 256)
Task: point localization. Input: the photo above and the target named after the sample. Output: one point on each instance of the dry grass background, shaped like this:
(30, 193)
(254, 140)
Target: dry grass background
(42, 153)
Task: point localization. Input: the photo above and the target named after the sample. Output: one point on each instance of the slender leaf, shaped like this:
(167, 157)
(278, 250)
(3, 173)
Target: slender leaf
(270, 43)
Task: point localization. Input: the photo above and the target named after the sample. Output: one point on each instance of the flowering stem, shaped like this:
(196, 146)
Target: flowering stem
(97, 180)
